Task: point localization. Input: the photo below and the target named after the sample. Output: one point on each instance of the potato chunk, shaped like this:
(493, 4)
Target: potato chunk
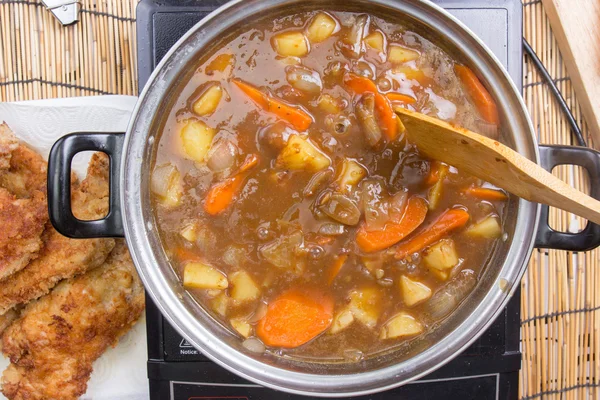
(341, 321)
(375, 41)
(413, 292)
(196, 138)
(365, 305)
(244, 289)
(301, 154)
(208, 102)
(241, 326)
(166, 184)
(321, 27)
(329, 104)
(488, 228)
(304, 79)
(441, 255)
(292, 44)
(202, 276)
(441, 274)
(402, 324)
(435, 193)
(220, 304)
(190, 233)
(352, 173)
(399, 55)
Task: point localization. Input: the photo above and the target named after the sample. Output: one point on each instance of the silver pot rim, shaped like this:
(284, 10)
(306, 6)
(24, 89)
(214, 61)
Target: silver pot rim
(150, 260)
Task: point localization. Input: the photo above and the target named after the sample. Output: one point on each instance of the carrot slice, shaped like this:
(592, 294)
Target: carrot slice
(388, 117)
(436, 170)
(482, 98)
(338, 263)
(383, 105)
(360, 84)
(221, 195)
(400, 98)
(392, 233)
(447, 222)
(295, 317)
(297, 117)
(486, 194)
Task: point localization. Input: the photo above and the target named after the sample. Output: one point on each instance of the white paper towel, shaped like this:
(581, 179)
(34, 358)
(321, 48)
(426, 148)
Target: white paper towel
(121, 372)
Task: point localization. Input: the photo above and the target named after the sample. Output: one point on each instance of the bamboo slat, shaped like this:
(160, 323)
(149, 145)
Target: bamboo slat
(560, 308)
(560, 337)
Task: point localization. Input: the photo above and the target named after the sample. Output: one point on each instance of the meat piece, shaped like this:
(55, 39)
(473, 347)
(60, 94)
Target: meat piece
(58, 337)
(23, 206)
(8, 144)
(90, 200)
(61, 257)
(276, 135)
(8, 318)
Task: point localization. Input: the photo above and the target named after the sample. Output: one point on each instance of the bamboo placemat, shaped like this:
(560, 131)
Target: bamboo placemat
(561, 290)
(39, 58)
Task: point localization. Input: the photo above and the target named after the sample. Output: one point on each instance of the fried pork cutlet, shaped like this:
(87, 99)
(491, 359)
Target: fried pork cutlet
(23, 206)
(8, 318)
(62, 257)
(57, 338)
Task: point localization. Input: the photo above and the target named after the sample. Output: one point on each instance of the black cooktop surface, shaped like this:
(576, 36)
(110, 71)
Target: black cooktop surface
(486, 370)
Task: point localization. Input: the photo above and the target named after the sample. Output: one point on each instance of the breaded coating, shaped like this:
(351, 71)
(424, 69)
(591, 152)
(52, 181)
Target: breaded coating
(23, 205)
(8, 318)
(8, 144)
(57, 338)
(62, 257)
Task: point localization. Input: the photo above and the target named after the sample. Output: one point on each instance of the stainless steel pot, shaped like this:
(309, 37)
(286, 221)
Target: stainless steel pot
(131, 214)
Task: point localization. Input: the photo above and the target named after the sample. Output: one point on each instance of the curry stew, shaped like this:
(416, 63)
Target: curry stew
(292, 206)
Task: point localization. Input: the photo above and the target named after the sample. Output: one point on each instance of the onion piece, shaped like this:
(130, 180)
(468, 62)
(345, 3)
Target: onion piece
(254, 345)
(365, 112)
(398, 206)
(276, 135)
(259, 313)
(375, 204)
(304, 79)
(355, 36)
(316, 181)
(282, 252)
(205, 239)
(221, 156)
(162, 179)
(340, 208)
(449, 296)
(331, 229)
(234, 256)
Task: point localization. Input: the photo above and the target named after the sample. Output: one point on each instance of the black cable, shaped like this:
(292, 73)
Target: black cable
(561, 100)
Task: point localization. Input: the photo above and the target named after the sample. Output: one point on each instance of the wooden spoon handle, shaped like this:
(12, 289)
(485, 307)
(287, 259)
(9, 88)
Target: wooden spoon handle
(498, 164)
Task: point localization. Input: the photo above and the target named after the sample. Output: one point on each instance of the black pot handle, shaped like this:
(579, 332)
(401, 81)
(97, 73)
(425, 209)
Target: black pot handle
(59, 185)
(589, 238)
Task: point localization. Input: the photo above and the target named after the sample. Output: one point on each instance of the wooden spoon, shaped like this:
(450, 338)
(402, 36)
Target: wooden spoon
(495, 163)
